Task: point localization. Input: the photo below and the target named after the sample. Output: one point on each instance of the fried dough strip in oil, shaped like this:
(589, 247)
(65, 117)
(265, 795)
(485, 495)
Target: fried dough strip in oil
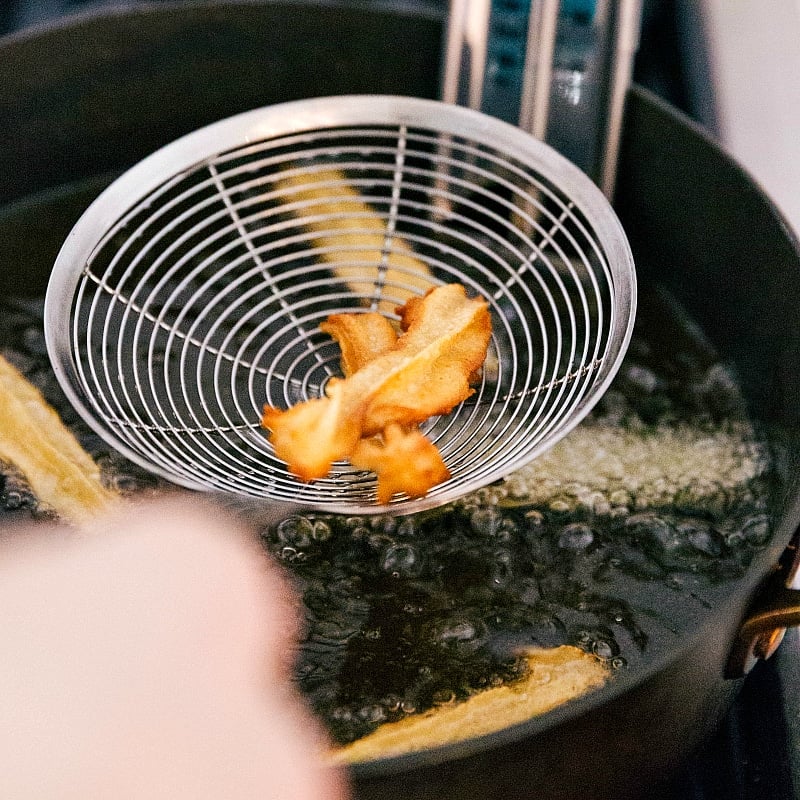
(426, 372)
(352, 236)
(35, 440)
(555, 676)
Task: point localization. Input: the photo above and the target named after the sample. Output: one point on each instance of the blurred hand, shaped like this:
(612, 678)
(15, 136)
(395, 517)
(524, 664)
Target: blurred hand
(151, 659)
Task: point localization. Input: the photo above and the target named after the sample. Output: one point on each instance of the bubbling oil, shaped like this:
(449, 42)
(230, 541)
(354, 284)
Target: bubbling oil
(617, 541)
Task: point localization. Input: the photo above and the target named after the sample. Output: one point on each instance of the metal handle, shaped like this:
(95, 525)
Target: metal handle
(499, 58)
(625, 26)
(538, 71)
(466, 41)
(466, 59)
(776, 609)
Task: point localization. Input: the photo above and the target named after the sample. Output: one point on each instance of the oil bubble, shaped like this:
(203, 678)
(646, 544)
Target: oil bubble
(321, 531)
(534, 518)
(296, 531)
(444, 697)
(486, 521)
(576, 536)
(459, 634)
(378, 541)
(373, 714)
(401, 560)
(756, 530)
(639, 381)
(604, 649)
(386, 524)
(391, 703)
(700, 536)
(342, 714)
(407, 528)
(734, 539)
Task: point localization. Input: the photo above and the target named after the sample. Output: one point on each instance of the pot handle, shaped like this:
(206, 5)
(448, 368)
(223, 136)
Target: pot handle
(776, 608)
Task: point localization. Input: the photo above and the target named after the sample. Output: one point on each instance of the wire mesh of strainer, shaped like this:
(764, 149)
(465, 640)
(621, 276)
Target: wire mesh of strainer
(191, 292)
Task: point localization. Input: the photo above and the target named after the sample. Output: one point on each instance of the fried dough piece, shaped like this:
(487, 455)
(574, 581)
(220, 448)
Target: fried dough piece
(361, 338)
(310, 436)
(440, 377)
(426, 372)
(352, 236)
(411, 312)
(554, 677)
(404, 461)
(35, 440)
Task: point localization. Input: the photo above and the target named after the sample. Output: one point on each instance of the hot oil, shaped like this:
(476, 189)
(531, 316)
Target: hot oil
(617, 541)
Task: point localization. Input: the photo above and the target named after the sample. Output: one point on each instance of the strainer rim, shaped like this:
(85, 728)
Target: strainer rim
(316, 114)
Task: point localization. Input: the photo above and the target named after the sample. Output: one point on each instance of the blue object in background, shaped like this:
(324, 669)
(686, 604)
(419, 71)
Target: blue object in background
(505, 58)
(579, 10)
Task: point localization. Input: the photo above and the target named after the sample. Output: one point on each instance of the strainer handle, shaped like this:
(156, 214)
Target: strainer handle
(481, 37)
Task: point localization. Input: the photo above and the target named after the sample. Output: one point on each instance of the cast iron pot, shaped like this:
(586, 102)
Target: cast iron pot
(83, 99)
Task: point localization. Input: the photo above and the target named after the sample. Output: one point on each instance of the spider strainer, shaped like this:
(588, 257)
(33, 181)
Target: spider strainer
(190, 293)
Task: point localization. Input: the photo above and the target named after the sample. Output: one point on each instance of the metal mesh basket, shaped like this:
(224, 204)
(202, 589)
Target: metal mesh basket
(191, 292)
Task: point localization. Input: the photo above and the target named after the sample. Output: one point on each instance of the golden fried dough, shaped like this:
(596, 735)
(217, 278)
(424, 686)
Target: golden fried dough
(361, 338)
(33, 438)
(310, 436)
(554, 677)
(352, 237)
(404, 461)
(424, 373)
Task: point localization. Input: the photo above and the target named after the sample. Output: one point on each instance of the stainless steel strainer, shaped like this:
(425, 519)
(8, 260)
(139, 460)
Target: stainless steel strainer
(190, 293)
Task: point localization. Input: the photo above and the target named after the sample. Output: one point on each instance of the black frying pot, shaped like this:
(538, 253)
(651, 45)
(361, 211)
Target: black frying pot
(83, 100)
